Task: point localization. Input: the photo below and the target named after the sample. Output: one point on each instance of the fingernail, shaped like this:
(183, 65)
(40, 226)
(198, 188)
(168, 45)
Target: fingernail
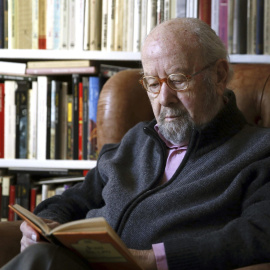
(34, 237)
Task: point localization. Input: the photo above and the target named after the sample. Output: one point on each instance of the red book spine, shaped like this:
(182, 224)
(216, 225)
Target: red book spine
(2, 118)
(205, 11)
(80, 137)
(12, 198)
(42, 43)
(33, 199)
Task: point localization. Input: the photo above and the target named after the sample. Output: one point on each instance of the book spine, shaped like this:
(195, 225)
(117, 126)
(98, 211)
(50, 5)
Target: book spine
(104, 26)
(12, 200)
(53, 120)
(49, 24)
(42, 29)
(137, 26)
(130, 25)
(79, 24)
(223, 21)
(64, 17)
(56, 24)
(42, 117)
(259, 26)
(2, 18)
(10, 119)
(6, 182)
(215, 15)
(69, 127)
(21, 119)
(75, 116)
(35, 18)
(266, 34)
(110, 32)
(80, 122)
(48, 121)
(70, 70)
(86, 27)
(95, 25)
(85, 82)
(33, 198)
(11, 24)
(118, 25)
(2, 119)
(151, 15)
(63, 120)
(205, 11)
(71, 25)
(6, 23)
(24, 184)
(94, 89)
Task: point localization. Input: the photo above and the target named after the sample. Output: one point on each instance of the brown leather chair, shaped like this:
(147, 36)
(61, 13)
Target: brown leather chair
(123, 103)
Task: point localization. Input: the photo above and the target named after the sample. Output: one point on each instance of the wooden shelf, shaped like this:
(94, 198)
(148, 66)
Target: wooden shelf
(46, 165)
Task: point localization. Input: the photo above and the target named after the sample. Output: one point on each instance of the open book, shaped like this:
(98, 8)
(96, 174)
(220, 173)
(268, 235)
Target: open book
(93, 239)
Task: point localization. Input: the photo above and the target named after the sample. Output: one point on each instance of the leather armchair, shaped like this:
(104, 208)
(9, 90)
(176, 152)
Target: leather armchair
(123, 103)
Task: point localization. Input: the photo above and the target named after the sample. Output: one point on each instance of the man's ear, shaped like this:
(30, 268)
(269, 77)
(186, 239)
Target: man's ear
(222, 73)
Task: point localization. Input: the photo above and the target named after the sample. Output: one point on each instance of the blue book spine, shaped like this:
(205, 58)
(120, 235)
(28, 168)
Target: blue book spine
(94, 90)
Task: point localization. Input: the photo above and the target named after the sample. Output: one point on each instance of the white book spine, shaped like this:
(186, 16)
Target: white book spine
(42, 117)
(104, 25)
(137, 26)
(167, 10)
(144, 21)
(125, 25)
(79, 24)
(215, 15)
(151, 15)
(130, 25)
(86, 28)
(56, 24)
(10, 119)
(49, 24)
(110, 32)
(32, 120)
(71, 25)
(11, 24)
(64, 25)
(35, 12)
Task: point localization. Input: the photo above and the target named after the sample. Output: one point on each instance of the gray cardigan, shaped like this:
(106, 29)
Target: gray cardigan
(214, 213)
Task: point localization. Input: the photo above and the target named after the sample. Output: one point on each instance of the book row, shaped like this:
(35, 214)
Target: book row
(48, 118)
(79, 24)
(23, 189)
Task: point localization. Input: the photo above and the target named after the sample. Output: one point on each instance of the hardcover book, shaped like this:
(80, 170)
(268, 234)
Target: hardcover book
(107, 250)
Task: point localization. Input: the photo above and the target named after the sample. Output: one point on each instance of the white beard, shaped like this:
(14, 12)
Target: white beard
(179, 131)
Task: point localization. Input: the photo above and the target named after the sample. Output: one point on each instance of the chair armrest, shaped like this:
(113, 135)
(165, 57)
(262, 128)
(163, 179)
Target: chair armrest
(10, 236)
(263, 266)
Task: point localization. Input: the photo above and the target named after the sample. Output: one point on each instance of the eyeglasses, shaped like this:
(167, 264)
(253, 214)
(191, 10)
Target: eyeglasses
(178, 81)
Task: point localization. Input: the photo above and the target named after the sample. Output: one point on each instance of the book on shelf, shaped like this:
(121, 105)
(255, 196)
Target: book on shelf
(215, 15)
(94, 90)
(59, 64)
(2, 20)
(42, 27)
(205, 11)
(118, 26)
(35, 18)
(266, 30)
(64, 21)
(95, 19)
(12, 68)
(223, 21)
(259, 27)
(69, 147)
(104, 25)
(21, 98)
(80, 121)
(80, 236)
(49, 24)
(85, 82)
(61, 70)
(7, 181)
(56, 24)
(2, 118)
(86, 27)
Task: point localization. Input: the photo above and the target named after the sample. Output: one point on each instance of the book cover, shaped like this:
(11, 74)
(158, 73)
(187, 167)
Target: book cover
(94, 89)
(2, 119)
(21, 97)
(80, 236)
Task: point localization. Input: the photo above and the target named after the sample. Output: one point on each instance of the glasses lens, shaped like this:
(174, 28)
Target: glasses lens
(151, 84)
(177, 81)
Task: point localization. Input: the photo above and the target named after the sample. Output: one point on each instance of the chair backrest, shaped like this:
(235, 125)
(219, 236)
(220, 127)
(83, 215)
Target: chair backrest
(123, 101)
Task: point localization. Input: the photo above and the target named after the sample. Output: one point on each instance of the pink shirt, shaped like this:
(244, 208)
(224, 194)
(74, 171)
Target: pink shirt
(175, 155)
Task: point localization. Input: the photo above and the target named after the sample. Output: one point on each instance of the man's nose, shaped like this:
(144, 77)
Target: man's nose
(166, 95)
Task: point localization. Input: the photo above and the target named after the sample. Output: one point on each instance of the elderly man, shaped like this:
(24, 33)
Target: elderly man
(189, 190)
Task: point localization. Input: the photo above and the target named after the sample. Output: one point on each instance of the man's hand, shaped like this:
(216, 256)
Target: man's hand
(31, 236)
(145, 258)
